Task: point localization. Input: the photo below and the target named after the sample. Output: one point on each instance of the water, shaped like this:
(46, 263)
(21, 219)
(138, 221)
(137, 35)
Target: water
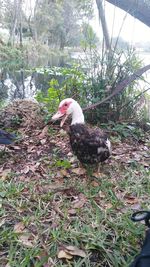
(39, 81)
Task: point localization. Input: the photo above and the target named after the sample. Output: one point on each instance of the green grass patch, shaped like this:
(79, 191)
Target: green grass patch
(101, 226)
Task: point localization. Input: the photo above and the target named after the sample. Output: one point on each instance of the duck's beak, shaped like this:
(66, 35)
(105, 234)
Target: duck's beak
(57, 116)
(60, 115)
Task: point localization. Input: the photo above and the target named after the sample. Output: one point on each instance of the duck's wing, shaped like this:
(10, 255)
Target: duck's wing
(97, 140)
(94, 140)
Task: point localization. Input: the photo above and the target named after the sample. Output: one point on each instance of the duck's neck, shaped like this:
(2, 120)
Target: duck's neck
(77, 116)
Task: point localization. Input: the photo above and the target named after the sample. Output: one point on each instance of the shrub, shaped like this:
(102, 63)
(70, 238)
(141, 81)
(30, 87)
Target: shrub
(94, 78)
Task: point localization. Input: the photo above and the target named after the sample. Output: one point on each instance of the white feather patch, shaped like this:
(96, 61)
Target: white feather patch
(108, 144)
(101, 149)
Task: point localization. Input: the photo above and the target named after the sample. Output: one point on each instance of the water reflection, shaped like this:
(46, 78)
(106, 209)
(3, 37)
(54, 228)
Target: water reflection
(24, 84)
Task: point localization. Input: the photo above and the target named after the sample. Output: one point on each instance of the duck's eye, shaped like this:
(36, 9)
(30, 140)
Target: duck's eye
(66, 105)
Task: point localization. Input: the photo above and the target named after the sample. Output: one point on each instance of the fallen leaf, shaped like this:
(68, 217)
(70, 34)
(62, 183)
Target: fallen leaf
(64, 173)
(25, 170)
(31, 148)
(43, 141)
(80, 201)
(131, 200)
(19, 227)
(44, 132)
(16, 147)
(73, 160)
(20, 210)
(101, 194)
(146, 164)
(94, 183)
(27, 240)
(70, 154)
(5, 174)
(69, 251)
(98, 174)
(108, 205)
(62, 132)
(64, 255)
(75, 251)
(72, 211)
(2, 222)
(79, 171)
(48, 264)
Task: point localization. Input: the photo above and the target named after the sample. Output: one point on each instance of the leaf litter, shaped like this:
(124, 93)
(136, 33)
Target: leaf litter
(57, 188)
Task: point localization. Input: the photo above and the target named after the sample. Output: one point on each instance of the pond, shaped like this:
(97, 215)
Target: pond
(25, 83)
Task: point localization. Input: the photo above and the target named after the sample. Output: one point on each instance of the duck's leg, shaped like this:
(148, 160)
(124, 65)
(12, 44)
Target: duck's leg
(99, 167)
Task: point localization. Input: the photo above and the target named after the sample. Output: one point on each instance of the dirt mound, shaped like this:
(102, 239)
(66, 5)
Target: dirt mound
(22, 113)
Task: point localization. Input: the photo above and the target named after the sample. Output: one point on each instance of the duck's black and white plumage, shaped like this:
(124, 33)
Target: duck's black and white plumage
(6, 138)
(90, 145)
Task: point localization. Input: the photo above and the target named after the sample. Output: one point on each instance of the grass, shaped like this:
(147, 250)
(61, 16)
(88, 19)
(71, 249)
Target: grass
(100, 226)
(46, 206)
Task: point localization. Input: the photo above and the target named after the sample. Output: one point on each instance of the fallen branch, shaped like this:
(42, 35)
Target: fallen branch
(121, 86)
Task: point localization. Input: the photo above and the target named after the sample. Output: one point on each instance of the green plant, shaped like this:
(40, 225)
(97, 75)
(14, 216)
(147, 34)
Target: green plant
(52, 97)
(94, 78)
(63, 163)
(10, 57)
(105, 71)
(74, 83)
(124, 130)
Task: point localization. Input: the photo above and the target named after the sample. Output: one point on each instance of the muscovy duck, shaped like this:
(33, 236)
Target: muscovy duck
(90, 145)
(6, 138)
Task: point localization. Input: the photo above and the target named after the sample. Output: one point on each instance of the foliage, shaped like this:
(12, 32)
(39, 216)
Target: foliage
(89, 39)
(73, 83)
(52, 98)
(10, 57)
(59, 21)
(94, 78)
(53, 23)
(124, 130)
(63, 164)
(105, 71)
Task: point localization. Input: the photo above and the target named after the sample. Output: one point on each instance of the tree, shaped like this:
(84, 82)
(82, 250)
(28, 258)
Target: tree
(88, 37)
(104, 24)
(13, 19)
(58, 23)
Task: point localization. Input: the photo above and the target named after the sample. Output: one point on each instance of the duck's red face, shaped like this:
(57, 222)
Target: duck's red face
(63, 111)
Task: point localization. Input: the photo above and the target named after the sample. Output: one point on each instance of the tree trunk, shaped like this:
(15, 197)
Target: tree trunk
(34, 30)
(13, 24)
(139, 9)
(104, 24)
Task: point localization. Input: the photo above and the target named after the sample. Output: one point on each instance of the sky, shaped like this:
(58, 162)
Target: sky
(133, 30)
